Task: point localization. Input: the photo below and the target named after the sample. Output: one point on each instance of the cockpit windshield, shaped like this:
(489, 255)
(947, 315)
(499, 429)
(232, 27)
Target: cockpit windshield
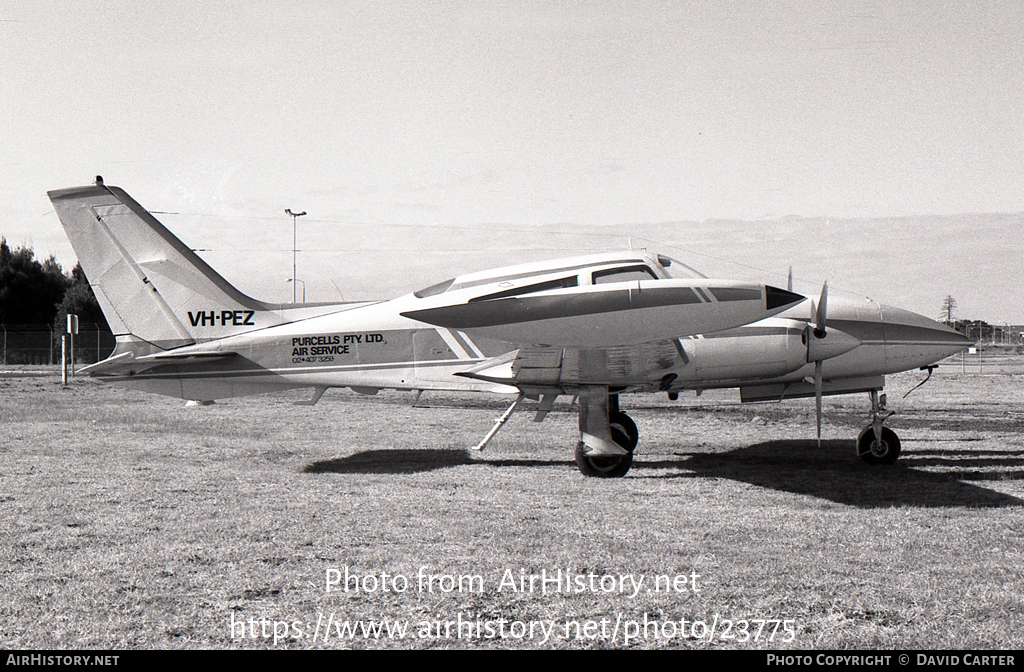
(434, 290)
(678, 269)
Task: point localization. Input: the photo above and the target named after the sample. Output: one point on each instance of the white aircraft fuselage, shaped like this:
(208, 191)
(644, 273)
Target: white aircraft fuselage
(594, 326)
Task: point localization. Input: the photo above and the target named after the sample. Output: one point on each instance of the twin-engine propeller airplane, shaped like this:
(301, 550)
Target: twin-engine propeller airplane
(595, 326)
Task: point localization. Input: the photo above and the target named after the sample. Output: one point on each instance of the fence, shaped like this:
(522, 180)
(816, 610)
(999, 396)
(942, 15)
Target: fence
(988, 360)
(40, 343)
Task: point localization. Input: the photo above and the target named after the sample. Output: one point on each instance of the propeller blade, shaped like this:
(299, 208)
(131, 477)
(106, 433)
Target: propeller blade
(789, 281)
(819, 314)
(817, 397)
(821, 344)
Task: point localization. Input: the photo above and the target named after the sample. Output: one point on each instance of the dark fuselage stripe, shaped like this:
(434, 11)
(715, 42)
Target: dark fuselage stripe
(535, 308)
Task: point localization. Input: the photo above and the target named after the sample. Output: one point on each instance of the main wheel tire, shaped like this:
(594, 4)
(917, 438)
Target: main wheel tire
(624, 424)
(874, 452)
(624, 433)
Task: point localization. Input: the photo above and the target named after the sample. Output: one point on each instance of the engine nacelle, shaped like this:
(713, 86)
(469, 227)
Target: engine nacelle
(765, 349)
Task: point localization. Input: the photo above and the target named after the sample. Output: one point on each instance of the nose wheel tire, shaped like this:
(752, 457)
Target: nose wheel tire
(624, 433)
(873, 451)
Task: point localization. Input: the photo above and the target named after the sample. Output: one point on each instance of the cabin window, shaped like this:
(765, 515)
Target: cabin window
(560, 283)
(623, 275)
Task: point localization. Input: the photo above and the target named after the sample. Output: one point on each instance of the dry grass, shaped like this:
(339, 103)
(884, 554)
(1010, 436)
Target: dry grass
(128, 520)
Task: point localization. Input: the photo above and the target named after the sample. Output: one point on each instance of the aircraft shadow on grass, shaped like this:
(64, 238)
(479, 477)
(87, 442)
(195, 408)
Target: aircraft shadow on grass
(831, 472)
(412, 461)
(834, 473)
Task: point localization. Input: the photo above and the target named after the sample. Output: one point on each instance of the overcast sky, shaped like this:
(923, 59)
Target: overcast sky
(431, 138)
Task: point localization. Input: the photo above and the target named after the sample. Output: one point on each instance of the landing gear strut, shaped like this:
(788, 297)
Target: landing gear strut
(877, 444)
(601, 421)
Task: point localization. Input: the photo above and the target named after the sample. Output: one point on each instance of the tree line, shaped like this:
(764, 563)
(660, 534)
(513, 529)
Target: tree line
(34, 292)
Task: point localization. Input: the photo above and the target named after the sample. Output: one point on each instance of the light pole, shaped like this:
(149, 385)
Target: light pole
(303, 288)
(295, 216)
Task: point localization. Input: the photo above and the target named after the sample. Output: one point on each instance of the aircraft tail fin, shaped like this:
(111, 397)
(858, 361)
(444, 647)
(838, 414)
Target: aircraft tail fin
(152, 288)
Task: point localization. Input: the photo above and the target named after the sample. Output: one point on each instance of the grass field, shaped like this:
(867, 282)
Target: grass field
(130, 521)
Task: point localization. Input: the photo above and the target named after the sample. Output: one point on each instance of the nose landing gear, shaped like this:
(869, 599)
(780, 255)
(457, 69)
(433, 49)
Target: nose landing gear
(877, 444)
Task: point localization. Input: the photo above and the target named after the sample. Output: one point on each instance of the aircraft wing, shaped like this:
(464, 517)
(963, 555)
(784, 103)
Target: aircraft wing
(538, 368)
(621, 313)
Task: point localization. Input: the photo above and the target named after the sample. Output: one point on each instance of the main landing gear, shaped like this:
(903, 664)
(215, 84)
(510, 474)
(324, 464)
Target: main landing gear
(607, 435)
(877, 444)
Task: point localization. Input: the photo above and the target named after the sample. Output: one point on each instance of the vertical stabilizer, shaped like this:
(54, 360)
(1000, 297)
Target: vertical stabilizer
(148, 283)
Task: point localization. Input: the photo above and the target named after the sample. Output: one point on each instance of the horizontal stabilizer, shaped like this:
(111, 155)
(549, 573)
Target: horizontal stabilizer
(163, 357)
(110, 364)
(127, 362)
